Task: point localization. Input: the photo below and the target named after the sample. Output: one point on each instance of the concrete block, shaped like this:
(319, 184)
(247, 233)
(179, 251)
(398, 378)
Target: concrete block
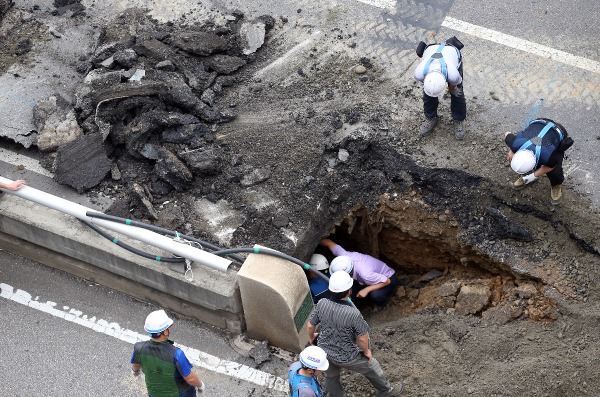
(276, 301)
(61, 241)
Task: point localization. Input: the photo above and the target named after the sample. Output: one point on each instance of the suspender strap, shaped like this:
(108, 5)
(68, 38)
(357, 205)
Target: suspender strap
(440, 58)
(538, 148)
(560, 133)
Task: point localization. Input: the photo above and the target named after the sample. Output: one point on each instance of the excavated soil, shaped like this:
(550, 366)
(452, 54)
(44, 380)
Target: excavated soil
(500, 289)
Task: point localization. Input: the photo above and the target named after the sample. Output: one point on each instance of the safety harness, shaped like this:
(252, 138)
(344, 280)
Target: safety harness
(537, 140)
(438, 55)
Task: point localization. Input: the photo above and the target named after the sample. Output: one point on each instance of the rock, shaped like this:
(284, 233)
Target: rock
(166, 66)
(55, 121)
(360, 69)
(172, 170)
(108, 62)
(185, 133)
(150, 151)
(208, 97)
(343, 155)
(202, 161)
(526, 291)
(260, 353)
(252, 36)
(449, 288)
(225, 64)
(173, 119)
(256, 176)
(82, 163)
(140, 193)
(430, 275)
(126, 58)
(115, 173)
(502, 314)
(154, 49)
(200, 43)
(472, 299)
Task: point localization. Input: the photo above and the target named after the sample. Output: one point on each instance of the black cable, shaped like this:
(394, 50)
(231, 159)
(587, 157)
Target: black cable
(158, 229)
(267, 251)
(130, 248)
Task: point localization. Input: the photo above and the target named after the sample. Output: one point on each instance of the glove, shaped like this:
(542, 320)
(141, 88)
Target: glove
(455, 90)
(529, 178)
(200, 389)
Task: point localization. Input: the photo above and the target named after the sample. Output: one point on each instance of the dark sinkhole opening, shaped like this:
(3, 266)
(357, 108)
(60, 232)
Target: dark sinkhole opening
(437, 272)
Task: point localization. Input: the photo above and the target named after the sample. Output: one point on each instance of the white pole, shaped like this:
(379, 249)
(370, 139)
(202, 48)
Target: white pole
(144, 235)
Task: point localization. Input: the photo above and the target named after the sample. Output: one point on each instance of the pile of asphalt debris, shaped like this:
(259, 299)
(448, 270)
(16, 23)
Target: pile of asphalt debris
(148, 102)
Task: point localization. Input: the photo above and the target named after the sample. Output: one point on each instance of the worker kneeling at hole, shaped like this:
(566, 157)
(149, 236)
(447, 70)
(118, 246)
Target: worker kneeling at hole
(540, 148)
(302, 375)
(167, 370)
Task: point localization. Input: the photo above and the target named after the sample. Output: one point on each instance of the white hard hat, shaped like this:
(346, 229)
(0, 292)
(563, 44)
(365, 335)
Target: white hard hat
(434, 83)
(340, 281)
(319, 262)
(342, 262)
(157, 322)
(314, 357)
(523, 161)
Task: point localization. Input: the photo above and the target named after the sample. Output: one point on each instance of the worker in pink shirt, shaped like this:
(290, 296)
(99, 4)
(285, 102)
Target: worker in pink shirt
(374, 279)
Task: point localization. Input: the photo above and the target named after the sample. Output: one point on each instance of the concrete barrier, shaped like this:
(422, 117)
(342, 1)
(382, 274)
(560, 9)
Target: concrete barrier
(63, 242)
(276, 301)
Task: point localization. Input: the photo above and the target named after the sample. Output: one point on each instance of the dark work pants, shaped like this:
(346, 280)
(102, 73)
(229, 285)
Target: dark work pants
(556, 176)
(380, 296)
(458, 104)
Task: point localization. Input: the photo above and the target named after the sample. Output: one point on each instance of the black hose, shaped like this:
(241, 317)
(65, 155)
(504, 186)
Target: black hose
(267, 251)
(129, 247)
(158, 229)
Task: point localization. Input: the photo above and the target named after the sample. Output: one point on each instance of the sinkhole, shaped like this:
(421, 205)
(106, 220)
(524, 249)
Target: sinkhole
(439, 272)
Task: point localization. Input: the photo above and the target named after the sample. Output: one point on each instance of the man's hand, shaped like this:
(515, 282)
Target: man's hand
(455, 90)
(368, 354)
(509, 155)
(363, 293)
(314, 339)
(135, 373)
(200, 389)
(529, 178)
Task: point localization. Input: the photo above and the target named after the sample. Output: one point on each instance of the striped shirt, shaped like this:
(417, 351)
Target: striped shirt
(340, 325)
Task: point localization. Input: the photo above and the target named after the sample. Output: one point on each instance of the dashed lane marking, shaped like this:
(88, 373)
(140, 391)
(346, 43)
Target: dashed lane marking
(379, 3)
(521, 44)
(196, 357)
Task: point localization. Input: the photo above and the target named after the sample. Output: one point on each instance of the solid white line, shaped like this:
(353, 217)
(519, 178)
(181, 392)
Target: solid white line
(196, 357)
(523, 45)
(29, 163)
(380, 3)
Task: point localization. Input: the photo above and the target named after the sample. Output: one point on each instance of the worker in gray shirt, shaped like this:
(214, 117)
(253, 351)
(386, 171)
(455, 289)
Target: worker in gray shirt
(442, 66)
(344, 336)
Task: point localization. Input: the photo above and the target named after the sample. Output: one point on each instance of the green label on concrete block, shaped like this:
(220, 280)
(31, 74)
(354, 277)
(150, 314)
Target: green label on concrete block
(303, 312)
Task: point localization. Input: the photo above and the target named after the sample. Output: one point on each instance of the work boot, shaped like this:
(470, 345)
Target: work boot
(459, 130)
(428, 126)
(556, 194)
(396, 390)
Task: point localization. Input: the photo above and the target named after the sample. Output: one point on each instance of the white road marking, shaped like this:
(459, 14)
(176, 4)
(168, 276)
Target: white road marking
(196, 357)
(505, 39)
(29, 163)
(380, 3)
(521, 44)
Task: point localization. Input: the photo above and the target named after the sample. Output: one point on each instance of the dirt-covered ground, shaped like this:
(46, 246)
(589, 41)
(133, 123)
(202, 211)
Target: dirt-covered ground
(501, 289)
